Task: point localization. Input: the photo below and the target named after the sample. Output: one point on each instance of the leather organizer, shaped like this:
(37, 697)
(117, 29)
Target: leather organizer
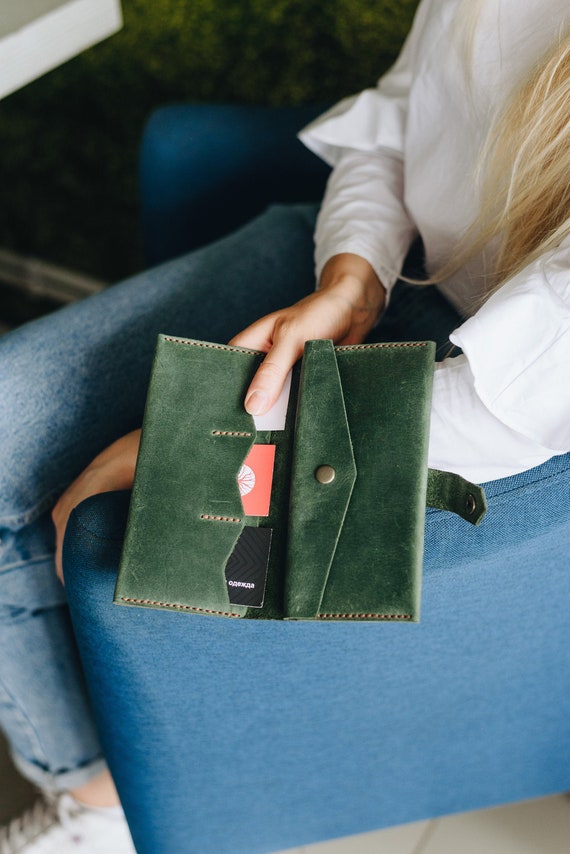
(343, 538)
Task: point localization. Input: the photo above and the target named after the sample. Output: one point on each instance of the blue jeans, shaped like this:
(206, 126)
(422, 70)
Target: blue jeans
(70, 384)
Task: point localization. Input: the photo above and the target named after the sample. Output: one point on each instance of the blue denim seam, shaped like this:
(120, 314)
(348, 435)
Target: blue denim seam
(525, 485)
(28, 729)
(499, 498)
(58, 781)
(27, 517)
(29, 562)
(96, 534)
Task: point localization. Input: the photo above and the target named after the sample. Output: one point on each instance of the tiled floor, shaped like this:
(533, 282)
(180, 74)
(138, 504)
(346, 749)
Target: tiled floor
(532, 827)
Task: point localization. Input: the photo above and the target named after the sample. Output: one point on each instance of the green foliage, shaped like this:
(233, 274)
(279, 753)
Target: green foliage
(69, 141)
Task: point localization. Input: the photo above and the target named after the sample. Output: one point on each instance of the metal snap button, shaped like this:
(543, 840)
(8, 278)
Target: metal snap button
(470, 504)
(325, 474)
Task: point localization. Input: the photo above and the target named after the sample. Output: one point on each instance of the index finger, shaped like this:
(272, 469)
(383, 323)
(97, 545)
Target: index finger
(268, 382)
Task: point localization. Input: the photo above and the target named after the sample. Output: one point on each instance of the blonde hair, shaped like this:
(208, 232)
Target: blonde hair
(525, 198)
(524, 172)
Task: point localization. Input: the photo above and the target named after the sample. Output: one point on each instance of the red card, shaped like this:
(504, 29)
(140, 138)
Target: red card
(255, 479)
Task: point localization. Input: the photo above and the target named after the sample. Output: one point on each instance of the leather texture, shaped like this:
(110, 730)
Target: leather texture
(186, 513)
(349, 548)
(447, 491)
(355, 545)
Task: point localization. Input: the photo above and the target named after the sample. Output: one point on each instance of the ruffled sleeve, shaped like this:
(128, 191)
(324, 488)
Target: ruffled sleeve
(374, 119)
(518, 347)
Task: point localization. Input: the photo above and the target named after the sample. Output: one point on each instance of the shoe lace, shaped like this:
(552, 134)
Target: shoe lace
(28, 826)
(67, 811)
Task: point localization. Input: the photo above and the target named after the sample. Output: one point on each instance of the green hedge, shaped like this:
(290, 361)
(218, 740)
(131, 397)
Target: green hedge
(69, 141)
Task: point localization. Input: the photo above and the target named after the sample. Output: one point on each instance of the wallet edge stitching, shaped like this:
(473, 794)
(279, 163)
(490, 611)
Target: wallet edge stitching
(179, 606)
(364, 616)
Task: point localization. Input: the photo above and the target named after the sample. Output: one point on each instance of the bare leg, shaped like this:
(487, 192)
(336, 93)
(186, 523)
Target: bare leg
(100, 791)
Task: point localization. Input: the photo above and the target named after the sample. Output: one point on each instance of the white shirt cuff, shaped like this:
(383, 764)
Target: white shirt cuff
(466, 438)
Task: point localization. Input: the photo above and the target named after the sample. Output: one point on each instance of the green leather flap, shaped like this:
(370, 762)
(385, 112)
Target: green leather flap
(322, 446)
(377, 544)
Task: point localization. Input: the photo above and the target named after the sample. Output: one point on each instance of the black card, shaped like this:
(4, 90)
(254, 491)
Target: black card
(246, 569)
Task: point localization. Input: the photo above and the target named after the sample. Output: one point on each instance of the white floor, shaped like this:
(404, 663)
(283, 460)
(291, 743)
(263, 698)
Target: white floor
(532, 827)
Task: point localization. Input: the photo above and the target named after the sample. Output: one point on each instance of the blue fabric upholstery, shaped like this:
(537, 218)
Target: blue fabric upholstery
(243, 737)
(206, 169)
(248, 737)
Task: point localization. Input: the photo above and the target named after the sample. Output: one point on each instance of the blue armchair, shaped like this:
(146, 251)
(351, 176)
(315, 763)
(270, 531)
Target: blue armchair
(250, 737)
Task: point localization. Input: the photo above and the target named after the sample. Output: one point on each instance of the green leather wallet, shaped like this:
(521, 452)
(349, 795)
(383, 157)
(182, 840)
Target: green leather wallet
(342, 537)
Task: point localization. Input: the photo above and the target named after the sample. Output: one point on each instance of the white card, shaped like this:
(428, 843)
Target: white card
(275, 418)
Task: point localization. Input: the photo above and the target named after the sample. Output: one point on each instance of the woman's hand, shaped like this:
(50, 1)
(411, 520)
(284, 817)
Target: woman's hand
(345, 308)
(113, 469)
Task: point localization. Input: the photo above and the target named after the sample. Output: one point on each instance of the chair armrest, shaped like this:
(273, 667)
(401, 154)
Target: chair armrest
(206, 169)
(250, 736)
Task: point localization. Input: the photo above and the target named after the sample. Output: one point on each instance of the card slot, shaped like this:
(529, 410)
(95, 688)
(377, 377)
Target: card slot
(246, 567)
(195, 416)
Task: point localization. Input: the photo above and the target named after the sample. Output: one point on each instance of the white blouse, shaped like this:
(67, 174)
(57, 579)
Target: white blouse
(404, 155)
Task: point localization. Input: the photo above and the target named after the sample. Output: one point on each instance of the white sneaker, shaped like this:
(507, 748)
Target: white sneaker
(58, 825)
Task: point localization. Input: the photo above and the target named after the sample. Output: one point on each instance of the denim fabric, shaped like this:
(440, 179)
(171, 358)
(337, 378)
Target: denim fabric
(71, 383)
(244, 737)
(43, 705)
(206, 169)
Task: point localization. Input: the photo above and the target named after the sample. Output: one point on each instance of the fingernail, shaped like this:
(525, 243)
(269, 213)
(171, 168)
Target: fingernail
(255, 403)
